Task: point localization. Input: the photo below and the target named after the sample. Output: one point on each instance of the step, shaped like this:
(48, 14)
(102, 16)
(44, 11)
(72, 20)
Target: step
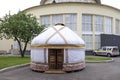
(54, 72)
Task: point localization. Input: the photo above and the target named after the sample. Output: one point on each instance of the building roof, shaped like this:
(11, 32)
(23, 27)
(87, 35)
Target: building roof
(43, 1)
(58, 36)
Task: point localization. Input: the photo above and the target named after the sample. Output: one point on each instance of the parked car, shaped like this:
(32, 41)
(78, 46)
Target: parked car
(107, 51)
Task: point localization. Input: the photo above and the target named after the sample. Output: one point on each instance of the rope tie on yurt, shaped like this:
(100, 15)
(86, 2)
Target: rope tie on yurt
(61, 35)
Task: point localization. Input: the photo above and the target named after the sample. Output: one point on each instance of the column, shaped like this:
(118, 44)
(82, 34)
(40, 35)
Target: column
(113, 25)
(79, 24)
(93, 34)
(66, 51)
(45, 56)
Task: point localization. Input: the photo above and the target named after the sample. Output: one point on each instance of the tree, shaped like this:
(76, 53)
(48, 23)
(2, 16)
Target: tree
(20, 27)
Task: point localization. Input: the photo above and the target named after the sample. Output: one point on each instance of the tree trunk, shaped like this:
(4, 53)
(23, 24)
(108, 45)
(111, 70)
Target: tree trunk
(20, 48)
(25, 46)
(22, 54)
(22, 51)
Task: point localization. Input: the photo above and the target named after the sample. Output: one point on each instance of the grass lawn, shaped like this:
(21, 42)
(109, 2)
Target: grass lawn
(7, 61)
(96, 59)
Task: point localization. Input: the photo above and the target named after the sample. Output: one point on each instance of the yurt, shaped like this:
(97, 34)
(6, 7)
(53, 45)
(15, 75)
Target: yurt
(57, 48)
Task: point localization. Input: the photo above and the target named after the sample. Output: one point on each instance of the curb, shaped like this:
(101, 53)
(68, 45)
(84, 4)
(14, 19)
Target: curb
(27, 64)
(105, 61)
(13, 67)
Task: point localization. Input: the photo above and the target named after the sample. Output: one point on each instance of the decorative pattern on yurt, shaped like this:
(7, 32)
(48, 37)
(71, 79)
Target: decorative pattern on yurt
(57, 48)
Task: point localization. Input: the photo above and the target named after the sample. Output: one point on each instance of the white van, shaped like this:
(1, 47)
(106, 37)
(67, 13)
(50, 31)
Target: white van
(107, 51)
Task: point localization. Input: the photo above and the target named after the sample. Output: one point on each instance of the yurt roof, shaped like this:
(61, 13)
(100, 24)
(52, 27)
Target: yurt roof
(58, 37)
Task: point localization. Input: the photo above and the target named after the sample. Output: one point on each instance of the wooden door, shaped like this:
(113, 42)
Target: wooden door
(55, 58)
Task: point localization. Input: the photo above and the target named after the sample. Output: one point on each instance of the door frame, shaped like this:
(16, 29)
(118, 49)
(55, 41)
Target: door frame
(56, 58)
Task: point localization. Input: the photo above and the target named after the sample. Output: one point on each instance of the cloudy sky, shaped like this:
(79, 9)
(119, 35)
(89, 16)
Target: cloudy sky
(15, 5)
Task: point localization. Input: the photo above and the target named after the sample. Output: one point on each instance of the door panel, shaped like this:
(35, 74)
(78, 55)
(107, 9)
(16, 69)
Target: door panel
(59, 59)
(52, 59)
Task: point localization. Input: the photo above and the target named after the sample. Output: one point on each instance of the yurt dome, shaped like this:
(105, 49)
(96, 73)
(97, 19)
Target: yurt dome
(57, 47)
(58, 35)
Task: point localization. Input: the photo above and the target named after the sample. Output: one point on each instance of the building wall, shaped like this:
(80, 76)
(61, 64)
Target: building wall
(6, 45)
(74, 8)
(110, 40)
(81, 9)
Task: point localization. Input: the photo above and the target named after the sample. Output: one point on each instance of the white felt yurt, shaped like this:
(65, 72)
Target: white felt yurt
(57, 48)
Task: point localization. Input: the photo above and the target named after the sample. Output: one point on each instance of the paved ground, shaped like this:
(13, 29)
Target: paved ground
(93, 71)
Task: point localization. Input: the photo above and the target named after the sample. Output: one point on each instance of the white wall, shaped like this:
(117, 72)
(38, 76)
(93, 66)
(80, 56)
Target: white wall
(76, 55)
(37, 55)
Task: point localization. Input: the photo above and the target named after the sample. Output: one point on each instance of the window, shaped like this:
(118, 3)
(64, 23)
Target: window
(45, 20)
(117, 23)
(99, 22)
(88, 40)
(57, 19)
(104, 49)
(97, 41)
(86, 23)
(108, 25)
(116, 49)
(71, 21)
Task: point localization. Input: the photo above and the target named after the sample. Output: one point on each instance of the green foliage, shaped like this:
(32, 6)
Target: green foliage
(20, 27)
(7, 61)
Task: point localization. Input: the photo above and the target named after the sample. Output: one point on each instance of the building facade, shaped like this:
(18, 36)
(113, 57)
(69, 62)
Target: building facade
(88, 18)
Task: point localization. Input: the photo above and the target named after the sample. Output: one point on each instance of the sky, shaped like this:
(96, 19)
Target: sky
(13, 6)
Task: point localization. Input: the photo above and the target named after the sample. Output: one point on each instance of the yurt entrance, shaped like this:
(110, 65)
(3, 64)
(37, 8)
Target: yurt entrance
(56, 58)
